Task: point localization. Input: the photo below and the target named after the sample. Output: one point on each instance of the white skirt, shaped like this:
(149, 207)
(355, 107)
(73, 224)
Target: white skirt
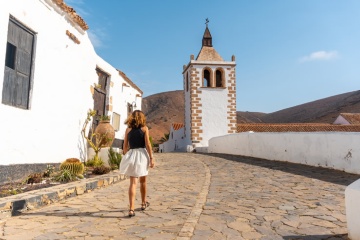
(135, 163)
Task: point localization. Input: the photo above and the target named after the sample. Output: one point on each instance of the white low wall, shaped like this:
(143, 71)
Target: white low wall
(336, 150)
(352, 196)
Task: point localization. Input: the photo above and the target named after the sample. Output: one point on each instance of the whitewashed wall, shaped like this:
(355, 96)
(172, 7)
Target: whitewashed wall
(50, 131)
(176, 141)
(120, 95)
(336, 150)
(214, 113)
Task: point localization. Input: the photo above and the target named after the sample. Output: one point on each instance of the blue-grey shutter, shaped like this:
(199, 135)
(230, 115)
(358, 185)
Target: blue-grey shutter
(16, 84)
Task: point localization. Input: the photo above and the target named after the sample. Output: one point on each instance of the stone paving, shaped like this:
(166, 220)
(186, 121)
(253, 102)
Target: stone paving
(201, 196)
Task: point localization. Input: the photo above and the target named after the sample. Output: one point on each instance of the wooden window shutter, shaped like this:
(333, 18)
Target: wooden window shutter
(18, 65)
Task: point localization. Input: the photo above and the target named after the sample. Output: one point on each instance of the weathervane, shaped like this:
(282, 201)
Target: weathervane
(207, 21)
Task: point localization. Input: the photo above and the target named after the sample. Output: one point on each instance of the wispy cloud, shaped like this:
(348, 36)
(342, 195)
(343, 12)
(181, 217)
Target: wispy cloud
(320, 56)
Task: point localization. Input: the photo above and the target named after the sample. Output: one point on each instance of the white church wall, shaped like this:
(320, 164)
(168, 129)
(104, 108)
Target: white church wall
(211, 99)
(336, 150)
(187, 113)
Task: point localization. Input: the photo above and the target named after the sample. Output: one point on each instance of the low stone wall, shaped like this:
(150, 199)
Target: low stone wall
(15, 205)
(18, 172)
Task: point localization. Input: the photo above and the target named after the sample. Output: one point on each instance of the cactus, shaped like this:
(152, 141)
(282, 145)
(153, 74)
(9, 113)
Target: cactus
(74, 165)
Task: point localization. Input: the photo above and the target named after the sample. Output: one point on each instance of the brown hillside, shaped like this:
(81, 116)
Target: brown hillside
(249, 117)
(325, 110)
(162, 110)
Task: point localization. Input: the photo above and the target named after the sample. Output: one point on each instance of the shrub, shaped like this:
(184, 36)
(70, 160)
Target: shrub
(101, 170)
(34, 178)
(94, 162)
(49, 170)
(114, 158)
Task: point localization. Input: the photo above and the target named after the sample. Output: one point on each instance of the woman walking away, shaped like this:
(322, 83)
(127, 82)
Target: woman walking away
(137, 158)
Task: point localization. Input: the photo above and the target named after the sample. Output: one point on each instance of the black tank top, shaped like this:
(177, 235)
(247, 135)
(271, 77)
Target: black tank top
(136, 138)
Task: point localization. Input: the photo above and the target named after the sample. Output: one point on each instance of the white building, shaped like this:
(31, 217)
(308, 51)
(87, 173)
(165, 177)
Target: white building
(210, 97)
(176, 142)
(50, 78)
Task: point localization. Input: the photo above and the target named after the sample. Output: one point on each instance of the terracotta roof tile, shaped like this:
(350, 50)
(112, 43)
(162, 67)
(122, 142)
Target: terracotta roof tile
(177, 126)
(296, 127)
(123, 75)
(72, 13)
(208, 54)
(352, 118)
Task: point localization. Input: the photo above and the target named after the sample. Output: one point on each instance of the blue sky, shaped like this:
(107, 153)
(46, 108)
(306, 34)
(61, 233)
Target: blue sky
(288, 52)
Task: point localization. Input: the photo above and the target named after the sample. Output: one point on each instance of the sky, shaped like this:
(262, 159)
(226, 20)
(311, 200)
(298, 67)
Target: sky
(288, 52)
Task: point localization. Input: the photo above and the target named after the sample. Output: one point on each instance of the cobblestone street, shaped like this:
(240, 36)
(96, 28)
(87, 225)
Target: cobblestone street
(202, 196)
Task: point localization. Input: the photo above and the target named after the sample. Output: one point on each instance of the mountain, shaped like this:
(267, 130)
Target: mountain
(249, 117)
(325, 110)
(165, 108)
(161, 110)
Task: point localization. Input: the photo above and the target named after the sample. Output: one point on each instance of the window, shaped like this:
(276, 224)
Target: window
(116, 121)
(219, 78)
(18, 65)
(187, 81)
(206, 80)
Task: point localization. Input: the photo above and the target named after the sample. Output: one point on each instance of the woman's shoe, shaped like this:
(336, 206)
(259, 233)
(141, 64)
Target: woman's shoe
(144, 205)
(131, 213)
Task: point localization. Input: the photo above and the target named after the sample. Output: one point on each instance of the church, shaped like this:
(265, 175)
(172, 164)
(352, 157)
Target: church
(210, 100)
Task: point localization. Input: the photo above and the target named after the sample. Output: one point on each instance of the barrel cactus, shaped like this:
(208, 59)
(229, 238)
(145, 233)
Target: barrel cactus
(74, 165)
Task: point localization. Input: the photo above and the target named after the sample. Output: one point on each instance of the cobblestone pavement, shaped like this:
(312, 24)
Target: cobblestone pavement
(202, 196)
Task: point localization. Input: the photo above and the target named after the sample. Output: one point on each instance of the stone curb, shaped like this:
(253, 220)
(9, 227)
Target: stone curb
(15, 205)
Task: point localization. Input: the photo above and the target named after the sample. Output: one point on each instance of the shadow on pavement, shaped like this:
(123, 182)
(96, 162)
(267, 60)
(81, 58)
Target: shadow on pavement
(320, 173)
(317, 237)
(70, 212)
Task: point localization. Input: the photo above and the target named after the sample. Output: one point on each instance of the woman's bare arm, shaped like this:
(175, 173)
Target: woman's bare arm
(126, 141)
(148, 147)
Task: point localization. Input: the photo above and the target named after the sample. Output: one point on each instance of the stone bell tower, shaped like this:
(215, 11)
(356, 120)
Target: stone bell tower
(210, 95)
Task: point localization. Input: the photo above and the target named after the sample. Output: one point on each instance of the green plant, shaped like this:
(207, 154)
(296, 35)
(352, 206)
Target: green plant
(96, 143)
(114, 158)
(74, 165)
(65, 176)
(104, 118)
(49, 170)
(101, 170)
(164, 138)
(94, 162)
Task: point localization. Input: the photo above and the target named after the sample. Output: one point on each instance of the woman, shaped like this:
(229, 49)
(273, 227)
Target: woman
(137, 158)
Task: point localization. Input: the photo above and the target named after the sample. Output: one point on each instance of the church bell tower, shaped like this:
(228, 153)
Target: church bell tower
(210, 95)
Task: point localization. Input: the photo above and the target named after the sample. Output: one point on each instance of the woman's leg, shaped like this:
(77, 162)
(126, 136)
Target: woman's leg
(132, 192)
(143, 189)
